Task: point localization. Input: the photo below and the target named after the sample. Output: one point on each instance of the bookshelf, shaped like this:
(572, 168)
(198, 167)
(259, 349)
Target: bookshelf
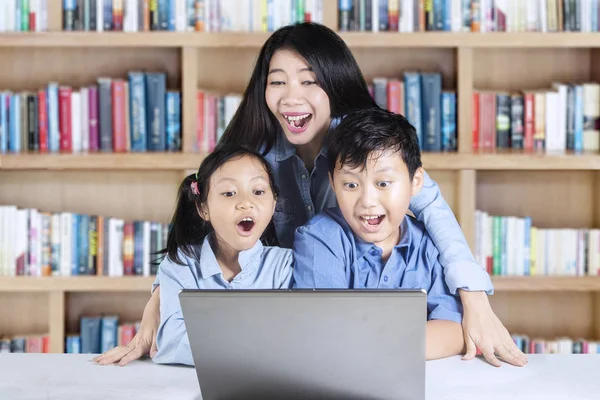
(557, 191)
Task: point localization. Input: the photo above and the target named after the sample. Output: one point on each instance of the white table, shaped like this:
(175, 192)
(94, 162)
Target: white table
(58, 376)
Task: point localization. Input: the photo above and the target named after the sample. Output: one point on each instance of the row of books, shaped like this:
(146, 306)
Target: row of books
(565, 117)
(468, 15)
(25, 343)
(420, 98)
(23, 15)
(214, 111)
(510, 245)
(35, 243)
(136, 114)
(188, 15)
(99, 334)
(560, 345)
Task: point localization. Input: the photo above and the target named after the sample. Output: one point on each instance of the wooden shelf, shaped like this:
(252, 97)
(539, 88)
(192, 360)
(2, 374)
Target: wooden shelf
(183, 161)
(254, 40)
(142, 284)
(546, 283)
(76, 284)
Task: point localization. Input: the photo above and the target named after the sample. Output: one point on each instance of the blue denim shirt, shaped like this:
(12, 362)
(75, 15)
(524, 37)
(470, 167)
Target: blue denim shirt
(303, 195)
(262, 268)
(327, 255)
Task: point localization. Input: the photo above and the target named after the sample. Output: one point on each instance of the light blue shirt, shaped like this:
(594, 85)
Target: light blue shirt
(262, 268)
(328, 255)
(304, 194)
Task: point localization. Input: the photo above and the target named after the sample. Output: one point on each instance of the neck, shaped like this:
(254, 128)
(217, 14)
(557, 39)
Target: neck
(387, 246)
(227, 258)
(308, 152)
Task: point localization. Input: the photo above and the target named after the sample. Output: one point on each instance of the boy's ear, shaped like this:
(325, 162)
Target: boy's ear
(417, 182)
(203, 212)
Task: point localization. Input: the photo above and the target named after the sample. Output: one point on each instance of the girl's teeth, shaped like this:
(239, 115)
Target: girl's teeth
(297, 117)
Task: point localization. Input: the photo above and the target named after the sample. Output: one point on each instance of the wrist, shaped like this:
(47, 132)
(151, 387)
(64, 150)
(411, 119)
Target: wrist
(473, 297)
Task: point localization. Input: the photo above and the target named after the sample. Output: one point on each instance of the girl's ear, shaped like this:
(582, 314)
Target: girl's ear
(417, 181)
(203, 212)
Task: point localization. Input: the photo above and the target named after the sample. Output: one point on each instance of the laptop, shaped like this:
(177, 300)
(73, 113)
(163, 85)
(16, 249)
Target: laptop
(305, 344)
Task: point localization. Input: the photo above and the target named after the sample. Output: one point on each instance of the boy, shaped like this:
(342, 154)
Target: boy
(368, 241)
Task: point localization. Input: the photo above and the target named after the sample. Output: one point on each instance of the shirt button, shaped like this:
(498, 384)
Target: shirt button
(303, 176)
(385, 278)
(309, 208)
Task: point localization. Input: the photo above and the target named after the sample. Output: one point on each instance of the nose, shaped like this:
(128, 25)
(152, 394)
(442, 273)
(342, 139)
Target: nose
(368, 197)
(244, 203)
(292, 95)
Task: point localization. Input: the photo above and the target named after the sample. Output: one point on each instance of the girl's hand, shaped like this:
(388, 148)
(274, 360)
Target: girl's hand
(482, 329)
(144, 340)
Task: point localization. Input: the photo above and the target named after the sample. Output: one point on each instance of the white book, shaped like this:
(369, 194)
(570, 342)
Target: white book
(11, 11)
(375, 16)
(146, 256)
(99, 15)
(257, 15)
(561, 139)
(180, 15)
(406, 23)
(76, 121)
(66, 240)
(532, 18)
(552, 122)
(115, 251)
(22, 238)
(85, 126)
(3, 14)
(542, 16)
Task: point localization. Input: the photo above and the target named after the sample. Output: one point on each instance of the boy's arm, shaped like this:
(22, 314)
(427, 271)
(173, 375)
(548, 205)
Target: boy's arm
(443, 339)
(444, 331)
(316, 264)
(172, 339)
(460, 268)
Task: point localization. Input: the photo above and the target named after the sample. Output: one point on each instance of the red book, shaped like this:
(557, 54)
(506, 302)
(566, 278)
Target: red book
(118, 116)
(43, 121)
(200, 132)
(487, 120)
(393, 96)
(529, 120)
(32, 27)
(475, 121)
(64, 119)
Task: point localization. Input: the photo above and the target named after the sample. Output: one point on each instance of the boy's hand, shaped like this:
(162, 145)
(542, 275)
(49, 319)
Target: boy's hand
(482, 329)
(144, 340)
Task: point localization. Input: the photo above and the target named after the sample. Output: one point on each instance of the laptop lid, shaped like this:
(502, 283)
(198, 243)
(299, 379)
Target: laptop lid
(326, 344)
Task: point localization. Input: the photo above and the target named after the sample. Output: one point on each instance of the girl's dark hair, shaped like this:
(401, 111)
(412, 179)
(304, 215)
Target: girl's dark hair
(187, 228)
(336, 70)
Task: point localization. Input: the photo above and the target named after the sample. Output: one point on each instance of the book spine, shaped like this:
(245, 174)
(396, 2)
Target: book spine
(93, 118)
(156, 93)
(412, 86)
(516, 121)
(32, 122)
(432, 92)
(137, 100)
(475, 121)
(42, 112)
(105, 114)
(118, 115)
(502, 121)
(15, 124)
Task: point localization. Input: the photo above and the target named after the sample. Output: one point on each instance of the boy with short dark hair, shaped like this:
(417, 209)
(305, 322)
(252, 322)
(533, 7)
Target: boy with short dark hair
(368, 241)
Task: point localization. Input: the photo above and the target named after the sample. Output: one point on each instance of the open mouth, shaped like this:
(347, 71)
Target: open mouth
(245, 226)
(372, 222)
(298, 122)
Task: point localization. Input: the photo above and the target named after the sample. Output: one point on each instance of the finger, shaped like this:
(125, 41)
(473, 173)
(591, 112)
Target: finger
(117, 354)
(489, 355)
(471, 349)
(512, 356)
(131, 356)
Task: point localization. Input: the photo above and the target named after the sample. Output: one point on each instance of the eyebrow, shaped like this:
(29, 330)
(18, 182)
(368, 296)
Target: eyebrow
(235, 180)
(386, 169)
(274, 70)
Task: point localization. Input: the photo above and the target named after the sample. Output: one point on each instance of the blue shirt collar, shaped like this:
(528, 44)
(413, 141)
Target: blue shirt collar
(405, 239)
(248, 259)
(283, 149)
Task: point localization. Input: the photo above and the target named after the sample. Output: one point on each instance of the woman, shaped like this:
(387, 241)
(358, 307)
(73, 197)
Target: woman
(304, 81)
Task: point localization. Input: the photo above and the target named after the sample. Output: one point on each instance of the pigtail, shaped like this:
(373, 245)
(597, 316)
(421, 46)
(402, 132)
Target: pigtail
(188, 229)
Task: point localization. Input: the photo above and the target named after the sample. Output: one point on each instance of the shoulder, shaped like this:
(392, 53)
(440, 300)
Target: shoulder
(278, 257)
(174, 270)
(328, 224)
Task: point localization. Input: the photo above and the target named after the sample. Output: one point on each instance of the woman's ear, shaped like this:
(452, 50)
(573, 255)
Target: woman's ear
(203, 212)
(417, 181)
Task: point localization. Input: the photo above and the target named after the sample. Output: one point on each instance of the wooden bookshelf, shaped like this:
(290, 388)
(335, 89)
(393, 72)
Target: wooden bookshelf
(557, 191)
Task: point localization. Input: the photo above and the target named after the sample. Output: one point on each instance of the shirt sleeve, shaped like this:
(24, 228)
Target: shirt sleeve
(172, 339)
(460, 268)
(441, 304)
(316, 264)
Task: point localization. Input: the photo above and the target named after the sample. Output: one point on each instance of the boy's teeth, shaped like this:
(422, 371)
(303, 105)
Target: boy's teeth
(371, 216)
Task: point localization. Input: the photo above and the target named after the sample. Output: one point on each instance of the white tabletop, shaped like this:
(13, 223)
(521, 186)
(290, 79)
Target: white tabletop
(68, 376)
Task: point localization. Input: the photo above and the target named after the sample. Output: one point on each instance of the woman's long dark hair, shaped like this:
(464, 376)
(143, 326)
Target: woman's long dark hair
(187, 228)
(337, 72)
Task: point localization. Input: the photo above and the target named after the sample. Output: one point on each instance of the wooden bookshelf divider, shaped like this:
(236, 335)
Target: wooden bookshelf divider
(558, 191)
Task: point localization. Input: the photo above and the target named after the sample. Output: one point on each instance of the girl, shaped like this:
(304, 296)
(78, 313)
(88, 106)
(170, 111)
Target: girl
(222, 213)
(304, 81)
